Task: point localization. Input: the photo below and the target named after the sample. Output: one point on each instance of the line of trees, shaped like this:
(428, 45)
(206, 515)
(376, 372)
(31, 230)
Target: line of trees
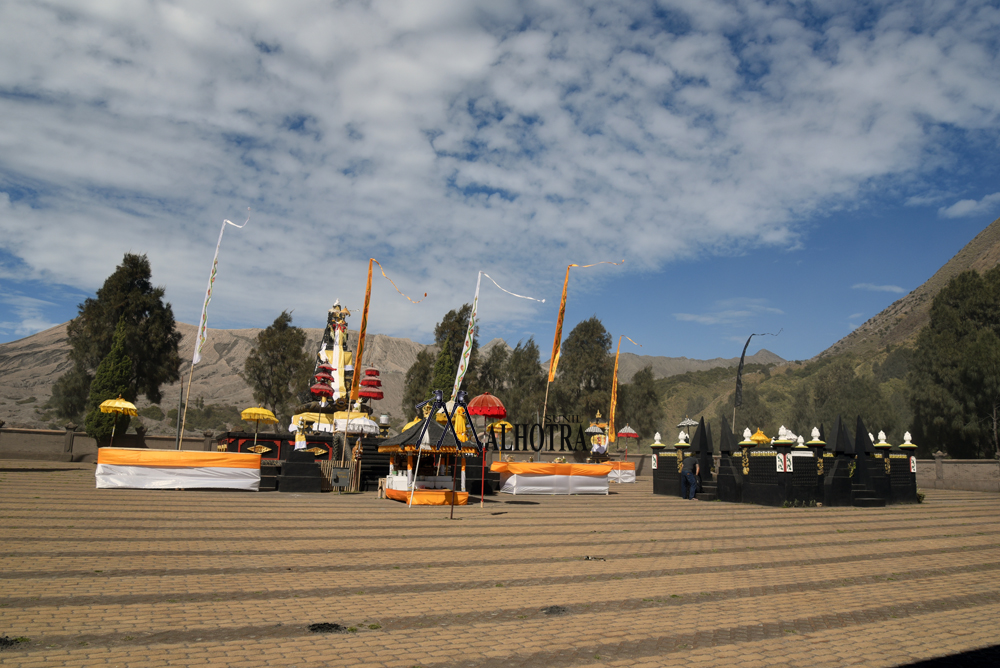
(516, 376)
(124, 341)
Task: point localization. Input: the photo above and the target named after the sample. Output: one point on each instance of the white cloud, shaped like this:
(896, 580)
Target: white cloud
(971, 207)
(30, 313)
(854, 316)
(731, 312)
(871, 287)
(454, 136)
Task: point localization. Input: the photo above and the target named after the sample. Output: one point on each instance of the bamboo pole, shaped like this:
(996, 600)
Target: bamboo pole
(184, 419)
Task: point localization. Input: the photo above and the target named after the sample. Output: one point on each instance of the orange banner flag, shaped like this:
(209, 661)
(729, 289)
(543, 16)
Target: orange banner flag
(614, 392)
(554, 360)
(356, 384)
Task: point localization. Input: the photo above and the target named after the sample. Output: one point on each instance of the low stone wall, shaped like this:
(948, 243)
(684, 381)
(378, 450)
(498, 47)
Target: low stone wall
(974, 475)
(70, 445)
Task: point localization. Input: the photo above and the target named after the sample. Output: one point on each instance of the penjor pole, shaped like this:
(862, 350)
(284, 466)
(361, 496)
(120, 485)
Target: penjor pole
(202, 336)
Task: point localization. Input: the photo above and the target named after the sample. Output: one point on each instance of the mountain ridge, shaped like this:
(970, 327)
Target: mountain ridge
(30, 366)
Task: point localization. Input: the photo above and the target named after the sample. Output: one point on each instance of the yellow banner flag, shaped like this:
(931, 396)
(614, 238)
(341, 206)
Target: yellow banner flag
(614, 392)
(614, 396)
(356, 384)
(554, 360)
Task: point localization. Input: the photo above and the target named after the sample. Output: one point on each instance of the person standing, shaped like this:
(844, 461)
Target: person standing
(689, 473)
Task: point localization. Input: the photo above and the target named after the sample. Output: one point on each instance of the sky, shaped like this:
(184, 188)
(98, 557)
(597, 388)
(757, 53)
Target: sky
(789, 167)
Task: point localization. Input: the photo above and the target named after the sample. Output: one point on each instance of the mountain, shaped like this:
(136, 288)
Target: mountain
(664, 367)
(30, 366)
(902, 320)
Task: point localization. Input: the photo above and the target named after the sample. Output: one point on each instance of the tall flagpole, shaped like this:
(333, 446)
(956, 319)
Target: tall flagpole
(203, 324)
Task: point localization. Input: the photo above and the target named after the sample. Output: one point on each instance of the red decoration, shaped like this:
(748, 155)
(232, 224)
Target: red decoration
(371, 382)
(323, 377)
(488, 405)
(627, 432)
(320, 388)
(371, 372)
(326, 367)
(371, 394)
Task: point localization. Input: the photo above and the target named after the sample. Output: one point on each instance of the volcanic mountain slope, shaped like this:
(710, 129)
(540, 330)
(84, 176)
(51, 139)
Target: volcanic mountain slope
(901, 321)
(30, 366)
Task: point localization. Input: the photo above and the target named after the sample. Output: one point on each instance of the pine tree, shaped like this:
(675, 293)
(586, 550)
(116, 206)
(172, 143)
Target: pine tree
(279, 369)
(444, 370)
(450, 335)
(150, 337)
(639, 405)
(493, 370)
(956, 368)
(586, 366)
(110, 382)
(525, 391)
(417, 383)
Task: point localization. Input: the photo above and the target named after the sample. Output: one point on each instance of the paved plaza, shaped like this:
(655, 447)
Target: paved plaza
(197, 578)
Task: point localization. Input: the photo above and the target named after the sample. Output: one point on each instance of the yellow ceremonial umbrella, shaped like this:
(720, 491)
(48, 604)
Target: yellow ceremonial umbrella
(119, 407)
(258, 415)
(502, 426)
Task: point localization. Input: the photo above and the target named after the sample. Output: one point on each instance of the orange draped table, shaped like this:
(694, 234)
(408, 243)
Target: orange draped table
(551, 478)
(139, 468)
(429, 497)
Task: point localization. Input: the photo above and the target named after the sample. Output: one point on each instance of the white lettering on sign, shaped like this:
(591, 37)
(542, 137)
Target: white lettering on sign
(913, 464)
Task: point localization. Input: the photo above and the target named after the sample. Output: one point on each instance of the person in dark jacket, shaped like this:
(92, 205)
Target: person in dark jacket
(689, 476)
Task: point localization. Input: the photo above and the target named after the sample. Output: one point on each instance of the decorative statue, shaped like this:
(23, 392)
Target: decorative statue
(656, 439)
(871, 438)
(906, 438)
(881, 437)
(815, 434)
(746, 434)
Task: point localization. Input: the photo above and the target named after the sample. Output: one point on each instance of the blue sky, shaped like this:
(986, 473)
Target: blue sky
(760, 166)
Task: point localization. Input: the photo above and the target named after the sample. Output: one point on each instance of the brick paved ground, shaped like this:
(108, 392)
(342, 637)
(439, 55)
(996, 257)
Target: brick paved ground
(135, 578)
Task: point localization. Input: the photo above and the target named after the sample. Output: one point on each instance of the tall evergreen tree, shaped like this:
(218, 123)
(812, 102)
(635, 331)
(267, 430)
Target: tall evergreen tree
(639, 405)
(417, 382)
(450, 334)
(586, 366)
(279, 369)
(493, 370)
(426, 373)
(111, 381)
(525, 386)
(444, 370)
(150, 336)
(956, 371)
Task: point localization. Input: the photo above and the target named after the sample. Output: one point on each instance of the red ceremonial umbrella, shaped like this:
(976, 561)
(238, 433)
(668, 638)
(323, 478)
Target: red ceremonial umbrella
(320, 388)
(323, 377)
(627, 432)
(487, 405)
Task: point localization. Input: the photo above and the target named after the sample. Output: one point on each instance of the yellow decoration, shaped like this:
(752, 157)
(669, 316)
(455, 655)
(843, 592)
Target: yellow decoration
(760, 438)
(119, 406)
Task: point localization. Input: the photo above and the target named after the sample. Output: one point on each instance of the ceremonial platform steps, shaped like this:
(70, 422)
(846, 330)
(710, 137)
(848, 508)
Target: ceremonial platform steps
(862, 497)
(709, 492)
